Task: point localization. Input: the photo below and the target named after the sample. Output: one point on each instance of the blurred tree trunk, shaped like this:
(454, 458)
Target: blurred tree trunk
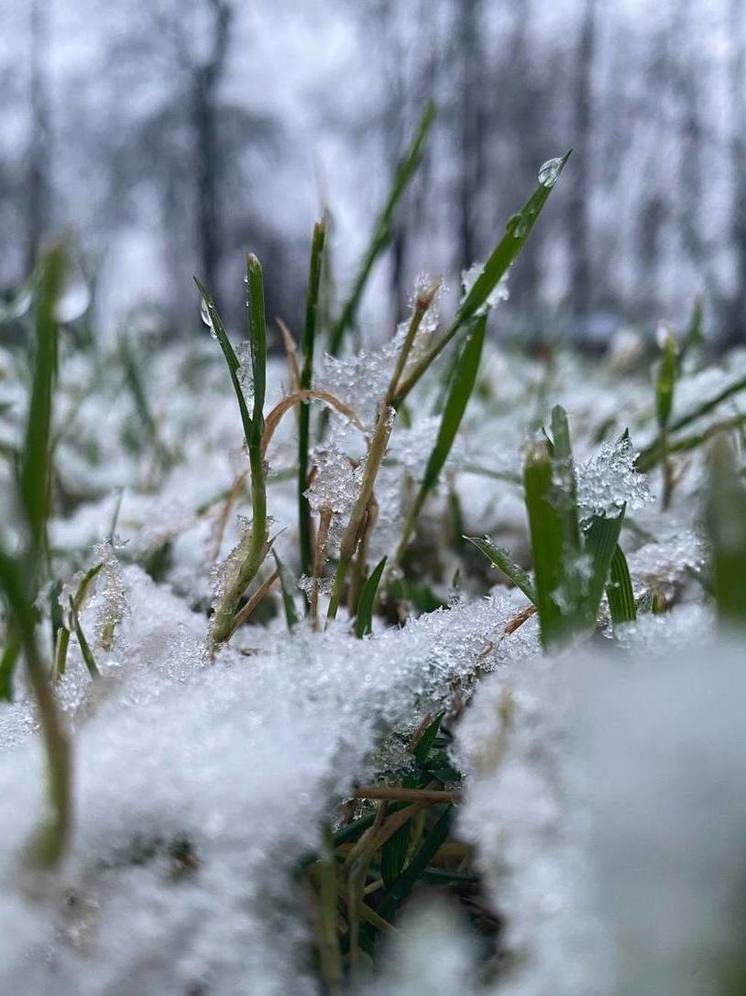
(578, 223)
(654, 216)
(469, 104)
(205, 82)
(688, 84)
(524, 101)
(736, 306)
(39, 163)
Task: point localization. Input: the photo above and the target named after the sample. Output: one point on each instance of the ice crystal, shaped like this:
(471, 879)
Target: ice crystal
(501, 292)
(609, 480)
(336, 484)
(245, 371)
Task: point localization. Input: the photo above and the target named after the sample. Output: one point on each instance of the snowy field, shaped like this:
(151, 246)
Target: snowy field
(513, 765)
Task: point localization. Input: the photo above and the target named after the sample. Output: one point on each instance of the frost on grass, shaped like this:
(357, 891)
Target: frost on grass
(606, 797)
(608, 481)
(198, 789)
(500, 293)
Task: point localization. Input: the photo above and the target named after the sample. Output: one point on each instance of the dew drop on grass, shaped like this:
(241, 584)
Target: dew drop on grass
(549, 172)
(205, 315)
(75, 296)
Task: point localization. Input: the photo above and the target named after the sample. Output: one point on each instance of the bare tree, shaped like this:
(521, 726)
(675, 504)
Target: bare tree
(578, 221)
(734, 310)
(38, 165)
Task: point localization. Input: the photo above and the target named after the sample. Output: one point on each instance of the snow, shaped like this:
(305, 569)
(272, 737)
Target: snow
(604, 787)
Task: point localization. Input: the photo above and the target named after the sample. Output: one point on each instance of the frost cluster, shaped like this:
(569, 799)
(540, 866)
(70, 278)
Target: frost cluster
(609, 480)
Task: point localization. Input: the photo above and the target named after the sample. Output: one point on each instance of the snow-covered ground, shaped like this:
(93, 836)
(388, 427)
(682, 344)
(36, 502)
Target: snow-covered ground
(604, 786)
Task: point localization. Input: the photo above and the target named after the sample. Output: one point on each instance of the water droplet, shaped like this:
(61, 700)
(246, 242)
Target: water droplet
(205, 315)
(75, 295)
(549, 172)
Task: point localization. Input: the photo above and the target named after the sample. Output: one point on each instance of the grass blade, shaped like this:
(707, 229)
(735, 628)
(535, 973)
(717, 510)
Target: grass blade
(35, 475)
(619, 591)
(601, 543)
(460, 390)
(62, 641)
(404, 884)
(304, 413)
(564, 471)
(218, 330)
(257, 341)
(666, 380)
(501, 559)
(462, 385)
(547, 531)
(382, 232)
(225, 607)
(8, 663)
(517, 231)
(726, 524)
(694, 337)
(364, 618)
(48, 844)
(85, 649)
(286, 585)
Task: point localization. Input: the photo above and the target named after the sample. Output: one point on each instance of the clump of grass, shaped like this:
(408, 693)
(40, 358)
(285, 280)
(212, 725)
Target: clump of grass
(21, 571)
(573, 563)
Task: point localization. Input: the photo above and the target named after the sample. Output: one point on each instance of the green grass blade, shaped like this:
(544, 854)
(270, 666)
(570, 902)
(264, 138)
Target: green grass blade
(404, 884)
(394, 855)
(85, 649)
(547, 531)
(136, 385)
(364, 618)
(726, 525)
(48, 844)
(62, 641)
(460, 390)
(601, 542)
(306, 377)
(286, 586)
(8, 663)
(666, 381)
(225, 607)
(707, 406)
(566, 493)
(653, 454)
(35, 475)
(501, 559)
(517, 231)
(426, 741)
(257, 341)
(218, 329)
(694, 337)
(382, 232)
(619, 591)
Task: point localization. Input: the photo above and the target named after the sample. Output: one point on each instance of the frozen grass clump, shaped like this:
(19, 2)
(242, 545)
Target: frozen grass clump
(311, 640)
(199, 788)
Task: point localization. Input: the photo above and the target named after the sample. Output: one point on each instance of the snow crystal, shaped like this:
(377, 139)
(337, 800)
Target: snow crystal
(501, 291)
(337, 482)
(609, 480)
